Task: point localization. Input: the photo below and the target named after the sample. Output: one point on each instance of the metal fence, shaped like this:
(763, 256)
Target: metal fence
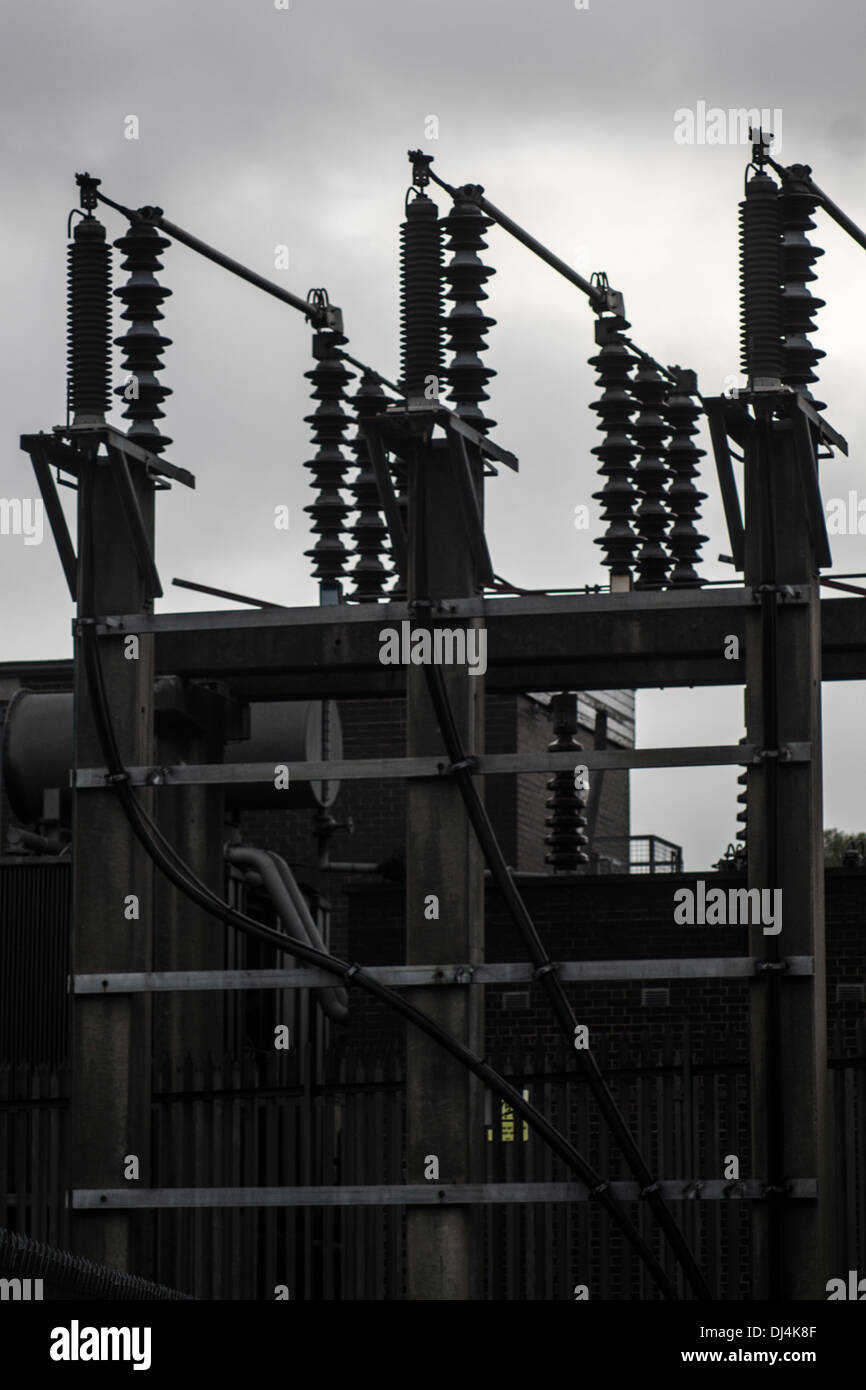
(292, 1120)
(635, 854)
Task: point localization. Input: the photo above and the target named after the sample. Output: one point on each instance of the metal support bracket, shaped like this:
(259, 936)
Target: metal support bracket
(473, 524)
(56, 517)
(718, 413)
(804, 449)
(387, 495)
(134, 520)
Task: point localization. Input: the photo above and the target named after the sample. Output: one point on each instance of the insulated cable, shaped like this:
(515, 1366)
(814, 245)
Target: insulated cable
(545, 968)
(185, 881)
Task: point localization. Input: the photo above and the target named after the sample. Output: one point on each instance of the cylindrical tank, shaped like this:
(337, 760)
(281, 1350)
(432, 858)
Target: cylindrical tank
(287, 731)
(37, 752)
(38, 743)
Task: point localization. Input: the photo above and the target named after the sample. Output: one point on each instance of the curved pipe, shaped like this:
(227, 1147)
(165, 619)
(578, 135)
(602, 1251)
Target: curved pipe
(293, 912)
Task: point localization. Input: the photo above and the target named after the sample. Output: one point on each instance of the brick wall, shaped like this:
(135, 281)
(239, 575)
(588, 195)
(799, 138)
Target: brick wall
(608, 917)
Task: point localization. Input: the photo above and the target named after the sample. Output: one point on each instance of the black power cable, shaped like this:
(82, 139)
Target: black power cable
(25, 1258)
(184, 880)
(545, 968)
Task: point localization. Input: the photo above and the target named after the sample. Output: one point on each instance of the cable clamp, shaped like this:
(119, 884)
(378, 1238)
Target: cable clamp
(599, 1188)
(764, 754)
(114, 778)
(764, 967)
(781, 591)
(650, 1189)
(550, 965)
(465, 764)
(424, 606)
(771, 1189)
(351, 973)
(691, 1190)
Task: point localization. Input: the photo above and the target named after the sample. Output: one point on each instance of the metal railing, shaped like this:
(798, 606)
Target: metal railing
(636, 854)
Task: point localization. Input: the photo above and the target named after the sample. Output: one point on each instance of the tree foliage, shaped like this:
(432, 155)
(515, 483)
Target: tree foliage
(837, 842)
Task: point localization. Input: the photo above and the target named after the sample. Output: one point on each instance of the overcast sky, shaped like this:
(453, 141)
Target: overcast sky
(261, 127)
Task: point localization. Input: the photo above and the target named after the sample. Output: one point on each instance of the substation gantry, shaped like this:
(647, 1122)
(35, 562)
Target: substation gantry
(418, 501)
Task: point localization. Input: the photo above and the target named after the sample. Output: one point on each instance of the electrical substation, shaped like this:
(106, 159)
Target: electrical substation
(331, 968)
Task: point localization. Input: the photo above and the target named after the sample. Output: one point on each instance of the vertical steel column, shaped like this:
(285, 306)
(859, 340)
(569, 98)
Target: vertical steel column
(785, 851)
(110, 1099)
(444, 868)
(784, 826)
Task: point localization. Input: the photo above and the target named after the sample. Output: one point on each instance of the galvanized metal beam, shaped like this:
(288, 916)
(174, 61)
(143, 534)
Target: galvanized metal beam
(405, 976)
(360, 769)
(566, 642)
(421, 1194)
(371, 615)
(606, 645)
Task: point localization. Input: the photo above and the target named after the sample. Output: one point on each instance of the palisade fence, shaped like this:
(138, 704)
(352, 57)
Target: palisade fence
(284, 1120)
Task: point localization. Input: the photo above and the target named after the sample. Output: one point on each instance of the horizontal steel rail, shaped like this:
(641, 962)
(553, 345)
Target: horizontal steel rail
(371, 615)
(420, 1194)
(485, 764)
(400, 976)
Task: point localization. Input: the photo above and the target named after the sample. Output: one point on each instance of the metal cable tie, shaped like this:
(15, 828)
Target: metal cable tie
(468, 764)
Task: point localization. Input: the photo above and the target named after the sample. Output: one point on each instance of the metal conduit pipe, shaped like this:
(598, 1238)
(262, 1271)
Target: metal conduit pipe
(38, 844)
(288, 900)
(314, 936)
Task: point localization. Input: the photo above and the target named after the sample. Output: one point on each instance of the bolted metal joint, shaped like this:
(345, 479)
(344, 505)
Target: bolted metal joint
(769, 967)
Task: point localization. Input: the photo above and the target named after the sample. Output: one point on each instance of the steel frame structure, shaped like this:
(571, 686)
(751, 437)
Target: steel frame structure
(618, 640)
